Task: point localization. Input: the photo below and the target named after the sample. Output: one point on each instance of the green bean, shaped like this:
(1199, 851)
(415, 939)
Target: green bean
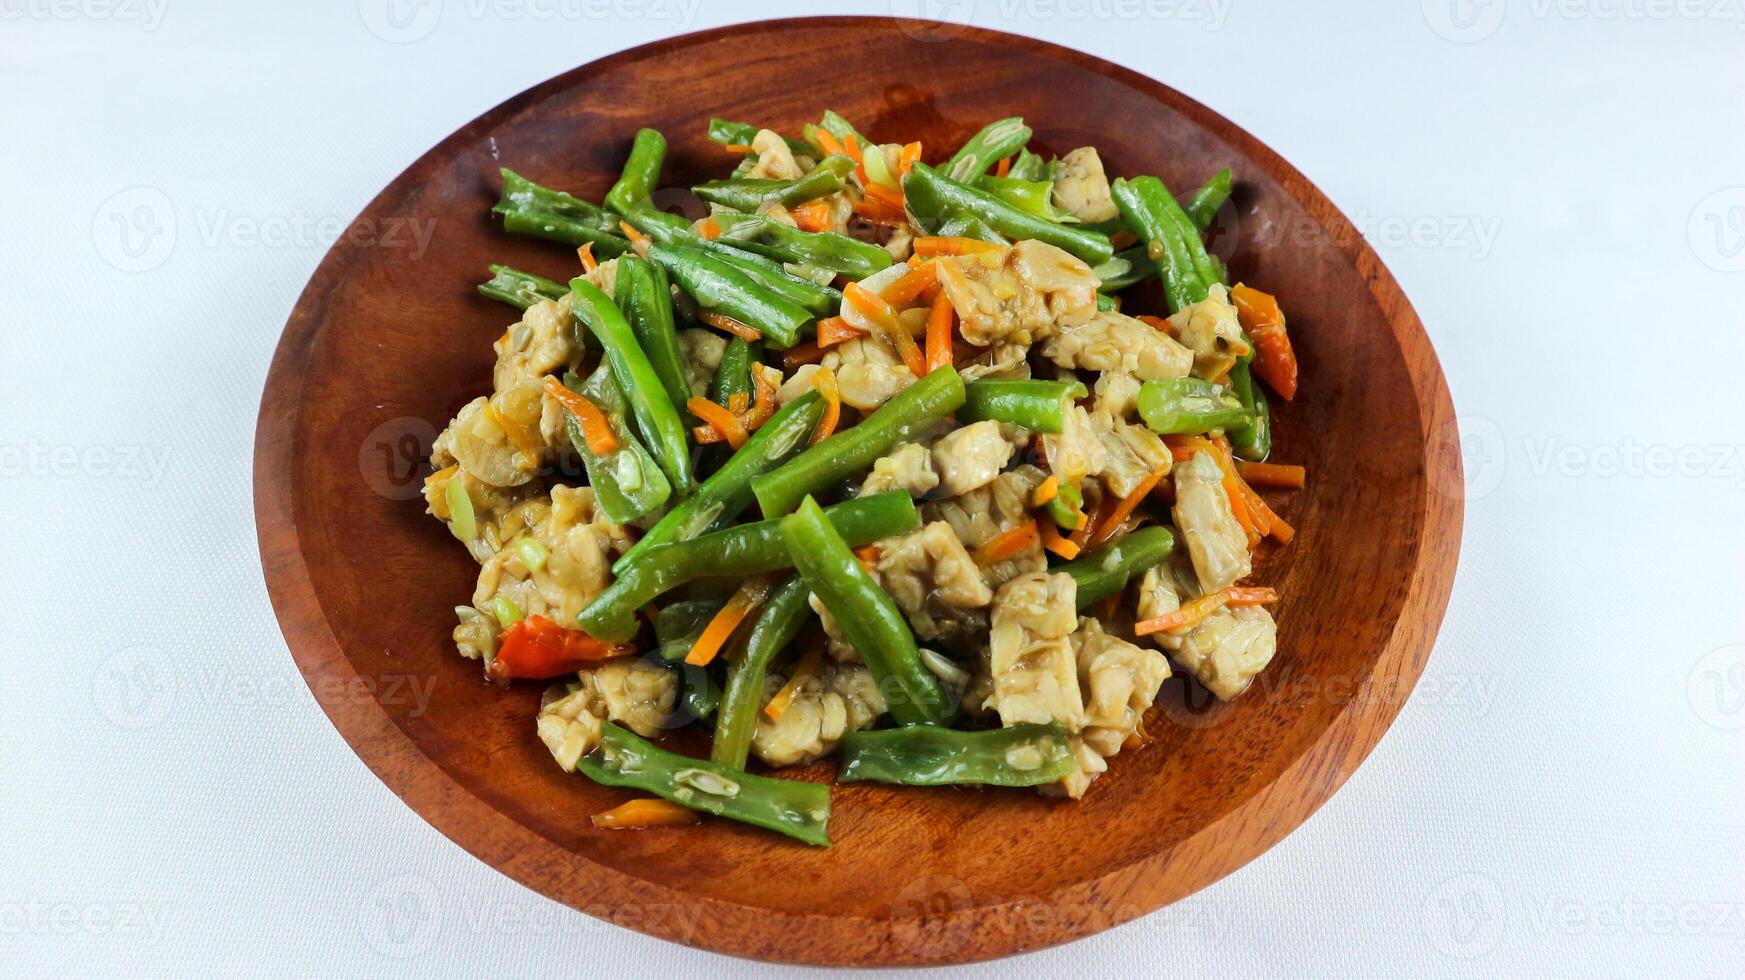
(1000, 138)
(733, 374)
(966, 226)
(836, 126)
(730, 133)
(934, 397)
(1172, 242)
(763, 234)
(646, 301)
(787, 806)
(748, 549)
(750, 194)
(808, 295)
(1106, 303)
(1251, 440)
(641, 172)
(627, 482)
(656, 417)
(661, 226)
(776, 626)
(932, 198)
(520, 289)
(699, 696)
(727, 492)
(1202, 206)
(1029, 196)
(1186, 406)
(677, 625)
(1128, 267)
(529, 209)
(723, 287)
(1106, 571)
(1039, 406)
(868, 617)
(1067, 507)
(1023, 755)
(1029, 166)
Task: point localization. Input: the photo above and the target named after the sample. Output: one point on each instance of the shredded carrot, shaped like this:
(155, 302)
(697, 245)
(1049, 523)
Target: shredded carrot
(442, 475)
(763, 407)
(1158, 322)
(739, 402)
(1275, 362)
(1273, 476)
(1088, 522)
(952, 245)
(1183, 448)
(885, 195)
(525, 442)
(807, 666)
(907, 159)
(868, 555)
(939, 318)
(834, 330)
(586, 254)
(723, 322)
(879, 212)
(723, 421)
(737, 148)
(1004, 167)
(631, 233)
(709, 229)
(912, 284)
(1052, 540)
(1122, 239)
(825, 381)
(851, 146)
(1190, 613)
(596, 430)
(811, 216)
(714, 636)
(1240, 595)
(639, 814)
(1049, 489)
(885, 318)
(1007, 544)
(1107, 524)
(1264, 519)
(828, 143)
(799, 354)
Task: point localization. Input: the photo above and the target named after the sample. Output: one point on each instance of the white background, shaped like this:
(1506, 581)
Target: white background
(1558, 188)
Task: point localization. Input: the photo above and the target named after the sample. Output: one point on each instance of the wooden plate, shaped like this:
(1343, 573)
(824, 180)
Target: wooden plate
(389, 339)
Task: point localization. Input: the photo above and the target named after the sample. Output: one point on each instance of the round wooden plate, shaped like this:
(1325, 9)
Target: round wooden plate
(389, 339)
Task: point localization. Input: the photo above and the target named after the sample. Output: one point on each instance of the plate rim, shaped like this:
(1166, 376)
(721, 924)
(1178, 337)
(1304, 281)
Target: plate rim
(1142, 885)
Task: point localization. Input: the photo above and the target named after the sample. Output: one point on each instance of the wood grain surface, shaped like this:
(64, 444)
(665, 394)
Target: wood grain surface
(389, 339)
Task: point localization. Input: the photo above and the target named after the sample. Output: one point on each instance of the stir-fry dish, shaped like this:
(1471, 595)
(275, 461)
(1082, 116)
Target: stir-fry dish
(872, 460)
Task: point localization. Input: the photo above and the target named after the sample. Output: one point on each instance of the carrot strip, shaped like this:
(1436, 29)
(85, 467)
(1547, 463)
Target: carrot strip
(596, 430)
(800, 354)
(1275, 362)
(1189, 614)
(709, 229)
(641, 814)
(952, 245)
(1107, 524)
(911, 285)
(907, 158)
(1122, 239)
(873, 209)
(885, 195)
(744, 602)
(724, 422)
(722, 322)
(1243, 595)
(851, 146)
(1007, 544)
(825, 382)
(586, 254)
(1273, 476)
(885, 318)
(834, 330)
(811, 216)
(1049, 489)
(939, 319)
(1052, 540)
(807, 666)
(763, 407)
(828, 143)
(1004, 167)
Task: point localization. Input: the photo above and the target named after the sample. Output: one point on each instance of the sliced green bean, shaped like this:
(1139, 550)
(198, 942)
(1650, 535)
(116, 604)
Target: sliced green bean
(1202, 206)
(1252, 439)
(763, 234)
(730, 133)
(1029, 166)
(1125, 268)
(922, 755)
(720, 286)
(646, 301)
(1172, 242)
(520, 289)
(641, 172)
(916, 407)
(787, 806)
(1106, 571)
(678, 624)
(998, 139)
(1039, 406)
(530, 209)
(627, 482)
(1189, 406)
(736, 552)
(933, 198)
(776, 626)
(657, 418)
(966, 226)
(868, 617)
(750, 194)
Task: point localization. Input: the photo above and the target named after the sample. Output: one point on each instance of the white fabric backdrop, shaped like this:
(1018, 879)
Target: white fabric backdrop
(1556, 185)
